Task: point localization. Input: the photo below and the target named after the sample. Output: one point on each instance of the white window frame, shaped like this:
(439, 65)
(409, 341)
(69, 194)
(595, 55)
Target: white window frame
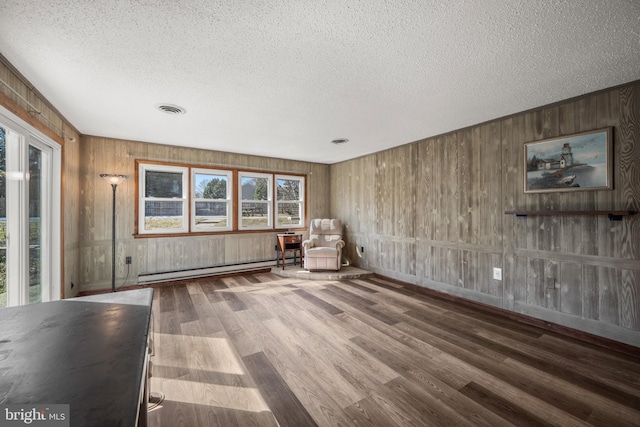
(229, 199)
(268, 202)
(22, 136)
(300, 200)
(151, 167)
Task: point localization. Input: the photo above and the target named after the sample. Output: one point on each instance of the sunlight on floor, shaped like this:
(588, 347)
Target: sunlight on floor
(193, 355)
(240, 398)
(271, 288)
(207, 353)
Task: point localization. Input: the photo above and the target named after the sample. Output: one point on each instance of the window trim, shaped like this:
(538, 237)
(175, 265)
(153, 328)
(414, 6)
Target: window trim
(229, 200)
(141, 185)
(235, 201)
(301, 201)
(268, 202)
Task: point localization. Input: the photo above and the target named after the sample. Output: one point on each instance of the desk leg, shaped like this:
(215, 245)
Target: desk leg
(284, 251)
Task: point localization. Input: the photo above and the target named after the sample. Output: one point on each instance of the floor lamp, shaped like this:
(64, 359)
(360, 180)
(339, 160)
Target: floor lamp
(114, 180)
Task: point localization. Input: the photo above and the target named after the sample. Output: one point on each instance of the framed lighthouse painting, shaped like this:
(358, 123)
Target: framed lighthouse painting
(569, 163)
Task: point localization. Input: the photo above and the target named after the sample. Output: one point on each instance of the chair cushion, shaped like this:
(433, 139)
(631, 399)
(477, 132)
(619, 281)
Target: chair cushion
(321, 252)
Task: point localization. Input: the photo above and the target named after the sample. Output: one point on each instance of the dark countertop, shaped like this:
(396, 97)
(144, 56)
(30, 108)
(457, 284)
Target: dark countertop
(88, 352)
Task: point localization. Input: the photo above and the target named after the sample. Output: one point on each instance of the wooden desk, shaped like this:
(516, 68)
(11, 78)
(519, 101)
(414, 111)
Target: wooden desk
(89, 353)
(290, 242)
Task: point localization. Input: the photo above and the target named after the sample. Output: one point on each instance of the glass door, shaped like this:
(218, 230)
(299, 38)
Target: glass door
(35, 225)
(29, 217)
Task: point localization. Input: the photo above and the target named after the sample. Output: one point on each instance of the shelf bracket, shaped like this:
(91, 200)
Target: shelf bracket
(614, 217)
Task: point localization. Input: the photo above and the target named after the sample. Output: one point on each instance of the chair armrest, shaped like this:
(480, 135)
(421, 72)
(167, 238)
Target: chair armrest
(309, 243)
(339, 244)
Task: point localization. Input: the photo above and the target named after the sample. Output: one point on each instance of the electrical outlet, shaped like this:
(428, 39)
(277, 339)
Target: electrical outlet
(127, 260)
(497, 273)
(550, 283)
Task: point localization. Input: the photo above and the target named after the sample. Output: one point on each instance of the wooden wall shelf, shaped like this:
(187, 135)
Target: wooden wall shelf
(613, 215)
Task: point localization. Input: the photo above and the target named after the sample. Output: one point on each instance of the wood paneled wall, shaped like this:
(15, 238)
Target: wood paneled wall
(71, 212)
(52, 124)
(432, 213)
(157, 255)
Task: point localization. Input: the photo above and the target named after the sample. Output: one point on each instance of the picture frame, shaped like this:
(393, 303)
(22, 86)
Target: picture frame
(577, 162)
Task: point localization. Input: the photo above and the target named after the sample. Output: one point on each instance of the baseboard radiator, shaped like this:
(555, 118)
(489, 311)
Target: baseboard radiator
(208, 271)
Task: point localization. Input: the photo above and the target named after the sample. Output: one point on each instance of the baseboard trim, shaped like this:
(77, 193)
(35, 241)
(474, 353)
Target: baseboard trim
(607, 343)
(174, 282)
(171, 276)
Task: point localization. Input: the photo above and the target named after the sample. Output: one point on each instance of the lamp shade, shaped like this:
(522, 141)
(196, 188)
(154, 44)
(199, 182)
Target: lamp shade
(113, 179)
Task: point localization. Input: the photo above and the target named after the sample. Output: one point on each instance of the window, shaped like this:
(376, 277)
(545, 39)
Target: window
(163, 201)
(254, 193)
(211, 200)
(289, 201)
(30, 175)
(181, 199)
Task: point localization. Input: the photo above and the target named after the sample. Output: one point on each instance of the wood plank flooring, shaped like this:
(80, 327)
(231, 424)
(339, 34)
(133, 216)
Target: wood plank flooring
(262, 350)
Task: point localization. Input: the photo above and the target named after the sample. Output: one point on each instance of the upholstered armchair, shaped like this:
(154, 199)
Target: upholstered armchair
(323, 249)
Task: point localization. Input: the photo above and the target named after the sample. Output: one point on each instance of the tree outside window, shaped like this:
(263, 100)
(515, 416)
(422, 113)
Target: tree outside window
(211, 201)
(255, 206)
(289, 201)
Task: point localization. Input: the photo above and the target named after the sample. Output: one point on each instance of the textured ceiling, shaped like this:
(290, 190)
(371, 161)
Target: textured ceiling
(283, 78)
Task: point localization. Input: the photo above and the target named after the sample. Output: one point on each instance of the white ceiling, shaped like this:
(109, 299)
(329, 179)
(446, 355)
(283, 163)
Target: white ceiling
(283, 78)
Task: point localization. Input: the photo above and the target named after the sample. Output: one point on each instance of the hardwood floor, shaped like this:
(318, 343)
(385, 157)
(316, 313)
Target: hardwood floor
(262, 350)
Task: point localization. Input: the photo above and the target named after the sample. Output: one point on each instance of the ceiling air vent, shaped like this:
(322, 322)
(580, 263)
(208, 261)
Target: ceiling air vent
(340, 141)
(171, 109)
